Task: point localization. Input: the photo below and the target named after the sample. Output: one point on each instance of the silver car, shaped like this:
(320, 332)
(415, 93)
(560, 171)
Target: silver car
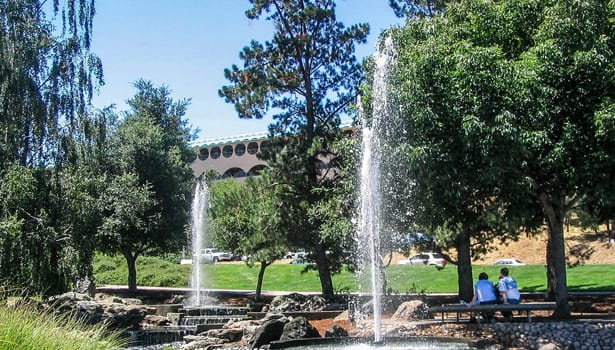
(435, 259)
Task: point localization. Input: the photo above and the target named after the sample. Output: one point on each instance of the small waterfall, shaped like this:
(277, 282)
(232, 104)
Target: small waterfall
(200, 204)
(370, 189)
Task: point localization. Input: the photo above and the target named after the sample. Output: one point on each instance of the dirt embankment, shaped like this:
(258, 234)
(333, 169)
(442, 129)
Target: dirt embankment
(583, 246)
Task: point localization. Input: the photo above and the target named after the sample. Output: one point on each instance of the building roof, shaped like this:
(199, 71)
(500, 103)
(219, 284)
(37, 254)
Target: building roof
(345, 124)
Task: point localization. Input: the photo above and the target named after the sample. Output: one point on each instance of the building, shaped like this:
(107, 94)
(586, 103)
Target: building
(235, 156)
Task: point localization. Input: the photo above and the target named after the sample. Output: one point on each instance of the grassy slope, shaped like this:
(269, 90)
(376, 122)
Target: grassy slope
(285, 277)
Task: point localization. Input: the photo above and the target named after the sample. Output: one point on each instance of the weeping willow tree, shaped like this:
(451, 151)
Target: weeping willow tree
(47, 78)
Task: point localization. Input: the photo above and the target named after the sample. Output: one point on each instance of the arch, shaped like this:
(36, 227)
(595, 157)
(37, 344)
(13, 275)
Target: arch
(234, 173)
(257, 170)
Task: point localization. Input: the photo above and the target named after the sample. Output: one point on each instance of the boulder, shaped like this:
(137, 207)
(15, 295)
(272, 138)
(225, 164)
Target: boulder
(297, 302)
(126, 316)
(156, 320)
(412, 310)
(336, 332)
(271, 330)
(299, 328)
(80, 305)
(229, 334)
(198, 342)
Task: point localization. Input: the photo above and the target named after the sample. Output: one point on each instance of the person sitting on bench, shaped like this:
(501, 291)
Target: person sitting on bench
(484, 294)
(509, 292)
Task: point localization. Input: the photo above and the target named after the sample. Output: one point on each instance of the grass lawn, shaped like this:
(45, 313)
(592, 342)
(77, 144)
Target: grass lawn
(402, 279)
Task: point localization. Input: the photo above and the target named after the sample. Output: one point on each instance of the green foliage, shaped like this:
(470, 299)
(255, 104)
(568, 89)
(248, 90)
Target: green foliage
(149, 181)
(27, 328)
(153, 271)
(417, 8)
(506, 116)
(47, 77)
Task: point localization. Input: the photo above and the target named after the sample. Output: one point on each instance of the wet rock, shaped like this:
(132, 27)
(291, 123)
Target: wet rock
(271, 330)
(296, 302)
(299, 328)
(156, 320)
(336, 332)
(412, 310)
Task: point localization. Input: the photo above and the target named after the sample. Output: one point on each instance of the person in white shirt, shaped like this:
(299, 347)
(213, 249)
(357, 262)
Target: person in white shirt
(509, 291)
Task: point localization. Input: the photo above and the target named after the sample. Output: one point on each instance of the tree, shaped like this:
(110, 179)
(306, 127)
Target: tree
(307, 75)
(147, 203)
(47, 78)
(417, 8)
(450, 108)
(528, 94)
(246, 220)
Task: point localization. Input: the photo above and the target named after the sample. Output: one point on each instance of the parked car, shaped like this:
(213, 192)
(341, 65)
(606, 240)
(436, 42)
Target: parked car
(295, 255)
(509, 261)
(435, 259)
(302, 261)
(213, 255)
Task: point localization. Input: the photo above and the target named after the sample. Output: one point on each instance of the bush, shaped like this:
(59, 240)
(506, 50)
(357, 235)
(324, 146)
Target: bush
(25, 328)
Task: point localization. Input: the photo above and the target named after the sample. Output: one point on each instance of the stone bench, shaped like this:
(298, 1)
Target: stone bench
(458, 309)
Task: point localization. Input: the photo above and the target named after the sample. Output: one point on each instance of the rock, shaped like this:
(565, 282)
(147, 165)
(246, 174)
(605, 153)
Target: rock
(156, 320)
(230, 334)
(85, 285)
(299, 328)
(297, 302)
(336, 332)
(286, 303)
(80, 305)
(126, 316)
(197, 342)
(270, 331)
(412, 310)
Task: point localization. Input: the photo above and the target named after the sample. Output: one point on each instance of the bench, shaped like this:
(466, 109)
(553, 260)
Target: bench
(461, 308)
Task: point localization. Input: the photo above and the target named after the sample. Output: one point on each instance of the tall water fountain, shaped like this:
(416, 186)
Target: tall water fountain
(200, 204)
(370, 196)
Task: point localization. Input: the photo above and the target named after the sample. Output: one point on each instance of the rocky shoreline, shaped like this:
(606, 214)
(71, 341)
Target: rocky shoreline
(411, 320)
(569, 335)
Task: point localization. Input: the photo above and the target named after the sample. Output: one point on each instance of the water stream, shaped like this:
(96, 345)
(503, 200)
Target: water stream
(370, 189)
(200, 204)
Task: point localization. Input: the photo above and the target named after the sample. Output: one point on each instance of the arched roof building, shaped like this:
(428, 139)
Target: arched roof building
(233, 156)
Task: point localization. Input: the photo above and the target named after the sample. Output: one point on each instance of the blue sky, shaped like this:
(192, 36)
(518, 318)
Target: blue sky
(186, 44)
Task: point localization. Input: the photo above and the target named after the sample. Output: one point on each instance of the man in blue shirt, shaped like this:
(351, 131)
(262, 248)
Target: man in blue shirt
(484, 294)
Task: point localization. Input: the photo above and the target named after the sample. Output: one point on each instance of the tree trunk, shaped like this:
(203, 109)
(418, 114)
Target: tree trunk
(259, 282)
(326, 283)
(132, 271)
(556, 255)
(464, 266)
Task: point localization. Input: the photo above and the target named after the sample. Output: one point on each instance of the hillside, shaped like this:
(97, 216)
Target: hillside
(531, 250)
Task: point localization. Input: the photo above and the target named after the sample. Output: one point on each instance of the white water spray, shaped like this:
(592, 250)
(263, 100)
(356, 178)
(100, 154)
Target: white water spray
(370, 199)
(200, 203)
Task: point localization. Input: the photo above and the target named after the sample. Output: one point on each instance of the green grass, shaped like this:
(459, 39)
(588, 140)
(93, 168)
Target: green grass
(25, 328)
(286, 277)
